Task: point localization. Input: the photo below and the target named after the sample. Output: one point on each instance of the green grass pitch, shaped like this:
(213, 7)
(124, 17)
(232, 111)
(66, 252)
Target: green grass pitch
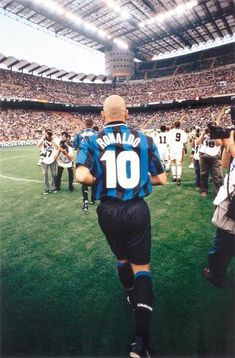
(60, 294)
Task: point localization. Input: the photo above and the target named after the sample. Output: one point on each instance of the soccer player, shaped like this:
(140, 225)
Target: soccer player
(124, 163)
(78, 139)
(177, 139)
(162, 142)
(48, 153)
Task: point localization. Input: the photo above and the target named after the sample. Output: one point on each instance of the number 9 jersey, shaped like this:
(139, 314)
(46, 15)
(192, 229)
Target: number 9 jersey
(121, 159)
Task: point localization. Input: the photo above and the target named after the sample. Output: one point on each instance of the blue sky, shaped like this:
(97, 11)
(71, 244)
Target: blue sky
(24, 42)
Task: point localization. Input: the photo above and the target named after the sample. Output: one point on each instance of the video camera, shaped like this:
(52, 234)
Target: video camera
(220, 132)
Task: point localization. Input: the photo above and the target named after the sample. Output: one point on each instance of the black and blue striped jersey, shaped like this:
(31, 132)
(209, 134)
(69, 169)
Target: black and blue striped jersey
(80, 136)
(121, 159)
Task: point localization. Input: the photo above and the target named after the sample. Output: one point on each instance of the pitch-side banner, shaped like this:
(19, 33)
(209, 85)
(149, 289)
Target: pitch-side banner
(18, 143)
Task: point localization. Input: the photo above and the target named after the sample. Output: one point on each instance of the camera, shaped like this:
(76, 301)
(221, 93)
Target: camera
(219, 132)
(63, 144)
(49, 133)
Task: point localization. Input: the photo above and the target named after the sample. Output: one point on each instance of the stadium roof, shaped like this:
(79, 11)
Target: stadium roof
(148, 27)
(11, 62)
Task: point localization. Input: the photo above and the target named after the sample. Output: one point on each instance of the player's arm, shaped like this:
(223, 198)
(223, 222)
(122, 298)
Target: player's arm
(200, 139)
(64, 151)
(41, 140)
(84, 164)
(84, 176)
(229, 150)
(156, 171)
(160, 179)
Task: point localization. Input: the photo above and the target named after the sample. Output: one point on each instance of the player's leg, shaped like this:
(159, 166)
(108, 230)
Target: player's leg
(219, 257)
(53, 169)
(204, 172)
(216, 174)
(59, 176)
(85, 198)
(139, 247)
(143, 302)
(197, 173)
(126, 278)
(93, 194)
(173, 169)
(46, 179)
(70, 176)
(178, 171)
(111, 223)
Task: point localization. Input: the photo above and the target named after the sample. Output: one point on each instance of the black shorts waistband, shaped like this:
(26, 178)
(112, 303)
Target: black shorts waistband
(111, 199)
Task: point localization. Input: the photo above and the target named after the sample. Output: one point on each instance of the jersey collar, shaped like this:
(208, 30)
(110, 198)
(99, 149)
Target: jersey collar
(115, 123)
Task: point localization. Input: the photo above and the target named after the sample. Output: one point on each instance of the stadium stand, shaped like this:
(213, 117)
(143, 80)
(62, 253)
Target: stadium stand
(220, 80)
(189, 77)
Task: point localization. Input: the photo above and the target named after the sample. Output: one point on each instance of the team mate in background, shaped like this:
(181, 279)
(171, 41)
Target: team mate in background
(177, 140)
(124, 163)
(78, 139)
(48, 154)
(161, 140)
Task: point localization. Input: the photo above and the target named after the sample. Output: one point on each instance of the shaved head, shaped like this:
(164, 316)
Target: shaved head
(114, 109)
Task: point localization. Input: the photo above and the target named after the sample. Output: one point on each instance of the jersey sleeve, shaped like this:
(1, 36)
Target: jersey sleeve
(76, 141)
(155, 166)
(85, 155)
(185, 139)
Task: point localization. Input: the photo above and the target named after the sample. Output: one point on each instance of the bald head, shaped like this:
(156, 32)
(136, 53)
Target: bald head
(114, 109)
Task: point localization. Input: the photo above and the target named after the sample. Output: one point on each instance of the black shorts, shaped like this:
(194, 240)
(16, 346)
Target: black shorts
(127, 227)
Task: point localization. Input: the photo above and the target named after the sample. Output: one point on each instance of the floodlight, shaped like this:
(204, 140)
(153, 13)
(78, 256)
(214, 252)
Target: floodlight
(125, 14)
(90, 27)
(102, 33)
(120, 43)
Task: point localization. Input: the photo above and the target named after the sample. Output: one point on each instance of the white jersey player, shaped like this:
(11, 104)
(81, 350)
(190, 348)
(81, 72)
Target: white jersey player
(177, 139)
(161, 140)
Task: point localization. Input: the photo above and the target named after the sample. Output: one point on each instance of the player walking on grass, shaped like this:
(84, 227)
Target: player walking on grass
(124, 163)
(177, 139)
(79, 138)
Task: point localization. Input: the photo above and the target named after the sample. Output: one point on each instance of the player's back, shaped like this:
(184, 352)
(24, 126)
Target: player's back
(177, 137)
(122, 162)
(80, 136)
(162, 138)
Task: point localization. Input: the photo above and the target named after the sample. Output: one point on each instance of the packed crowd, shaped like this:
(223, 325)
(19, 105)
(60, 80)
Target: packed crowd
(155, 69)
(27, 125)
(185, 86)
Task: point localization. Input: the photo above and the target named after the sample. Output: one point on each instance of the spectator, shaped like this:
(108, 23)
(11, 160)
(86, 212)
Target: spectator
(65, 160)
(49, 152)
(209, 153)
(223, 250)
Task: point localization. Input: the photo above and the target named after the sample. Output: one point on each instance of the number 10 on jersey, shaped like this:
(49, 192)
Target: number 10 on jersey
(124, 170)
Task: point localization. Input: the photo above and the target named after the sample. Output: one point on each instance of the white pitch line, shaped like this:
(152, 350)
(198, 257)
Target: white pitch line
(21, 179)
(41, 181)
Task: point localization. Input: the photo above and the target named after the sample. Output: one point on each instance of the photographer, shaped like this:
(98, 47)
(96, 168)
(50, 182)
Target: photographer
(209, 153)
(48, 154)
(223, 250)
(65, 160)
